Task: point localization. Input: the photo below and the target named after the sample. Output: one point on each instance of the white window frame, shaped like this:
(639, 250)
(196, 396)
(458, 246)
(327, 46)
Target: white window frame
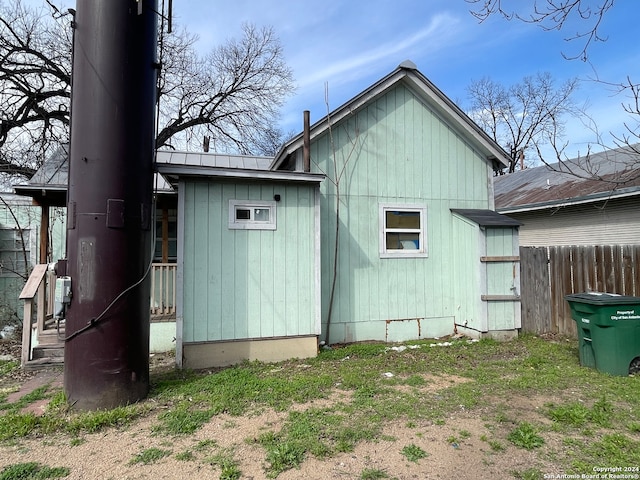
(251, 223)
(422, 231)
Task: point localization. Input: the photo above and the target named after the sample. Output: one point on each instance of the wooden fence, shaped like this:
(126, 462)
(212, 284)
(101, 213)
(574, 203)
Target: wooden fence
(549, 273)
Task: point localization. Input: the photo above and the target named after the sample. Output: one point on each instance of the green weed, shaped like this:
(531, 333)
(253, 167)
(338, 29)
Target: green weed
(283, 456)
(185, 456)
(529, 474)
(183, 421)
(611, 449)
(91, 422)
(229, 467)
(525, 436)
(413, 453)
(150, 455)
(496, 446)
(373, 474)
(7, 367)
(32, 471)
(576, 414)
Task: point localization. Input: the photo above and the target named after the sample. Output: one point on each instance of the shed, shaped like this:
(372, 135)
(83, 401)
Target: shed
(248, 260)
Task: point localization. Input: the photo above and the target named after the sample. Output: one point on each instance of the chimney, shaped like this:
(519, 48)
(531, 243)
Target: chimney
(306, 148)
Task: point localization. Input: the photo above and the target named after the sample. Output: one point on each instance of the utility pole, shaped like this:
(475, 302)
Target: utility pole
(109, 205)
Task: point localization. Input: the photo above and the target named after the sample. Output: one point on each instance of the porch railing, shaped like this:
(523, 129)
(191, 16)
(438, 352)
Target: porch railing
(38, 299)
(163, 289)
(39, 293)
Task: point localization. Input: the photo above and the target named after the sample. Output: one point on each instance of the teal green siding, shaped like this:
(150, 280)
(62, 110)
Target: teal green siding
(502, 278)
(397, 150)
(466, 248)
(243, 284)
(11, 243)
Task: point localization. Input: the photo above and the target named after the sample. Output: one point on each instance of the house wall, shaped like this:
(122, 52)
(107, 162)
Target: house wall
(16, 213)
(242, 286)
(397, 150)
(612, 222)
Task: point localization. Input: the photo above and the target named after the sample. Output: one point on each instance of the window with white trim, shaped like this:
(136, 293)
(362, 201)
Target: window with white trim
(403, 231)
(252, 215)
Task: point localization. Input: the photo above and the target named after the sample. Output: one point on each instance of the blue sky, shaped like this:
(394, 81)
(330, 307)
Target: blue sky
(350, 45)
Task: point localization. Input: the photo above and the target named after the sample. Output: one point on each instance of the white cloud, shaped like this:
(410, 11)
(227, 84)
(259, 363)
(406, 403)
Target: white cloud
(358, 64)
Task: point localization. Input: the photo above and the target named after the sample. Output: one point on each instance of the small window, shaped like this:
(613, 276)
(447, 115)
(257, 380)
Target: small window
(403, 231)
(252, 215)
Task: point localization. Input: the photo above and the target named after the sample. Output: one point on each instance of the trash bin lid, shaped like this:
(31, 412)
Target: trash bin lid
(602, 298)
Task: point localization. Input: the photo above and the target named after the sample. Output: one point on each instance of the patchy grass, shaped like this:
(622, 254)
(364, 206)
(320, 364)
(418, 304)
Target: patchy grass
(373, 474)
(595, 418)
(228, 465)
(149, 455)
(413, 453)
(525, 436)
(32, 471)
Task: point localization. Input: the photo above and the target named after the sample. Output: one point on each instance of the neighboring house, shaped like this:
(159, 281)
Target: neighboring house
(403, 178)
(20, 235)
(592, 200)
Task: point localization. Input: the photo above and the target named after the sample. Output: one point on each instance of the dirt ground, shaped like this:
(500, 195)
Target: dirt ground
(451, 454)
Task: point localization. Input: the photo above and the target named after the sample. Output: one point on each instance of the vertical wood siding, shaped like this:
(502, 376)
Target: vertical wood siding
(396, 150)
(502, 278)
(241, 284)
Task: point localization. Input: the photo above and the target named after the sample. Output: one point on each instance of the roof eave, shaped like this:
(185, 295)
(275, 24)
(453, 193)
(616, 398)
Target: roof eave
(568, 202)
(171, 170)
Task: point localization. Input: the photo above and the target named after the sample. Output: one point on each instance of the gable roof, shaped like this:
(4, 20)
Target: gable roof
(597, 176)
(408, 74)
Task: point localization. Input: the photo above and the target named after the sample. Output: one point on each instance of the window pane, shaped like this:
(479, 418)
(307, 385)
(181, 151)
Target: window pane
(403, 241)
(261, 214)
(400, 219)
(157, 254)
(243, 214)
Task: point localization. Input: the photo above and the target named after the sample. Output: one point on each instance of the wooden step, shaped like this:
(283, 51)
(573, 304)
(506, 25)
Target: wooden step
(51, 337)
(48, 351)
(40, 363)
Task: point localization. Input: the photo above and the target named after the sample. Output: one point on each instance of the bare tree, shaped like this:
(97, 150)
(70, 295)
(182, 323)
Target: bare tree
(35, 74)
(525, 116)
(231, 94)
(552, 15)
(557, 15)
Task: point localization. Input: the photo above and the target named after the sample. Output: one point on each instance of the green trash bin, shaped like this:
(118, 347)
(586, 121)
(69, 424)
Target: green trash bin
(608, 331)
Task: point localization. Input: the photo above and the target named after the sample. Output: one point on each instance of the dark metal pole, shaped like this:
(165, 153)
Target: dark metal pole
(110, 202)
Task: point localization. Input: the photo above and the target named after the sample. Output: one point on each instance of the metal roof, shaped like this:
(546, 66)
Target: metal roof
(597, 176)
(173, 172)
(54, 172)
(247, 162)
(173, 164)
(51, 180)
(486, 218)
